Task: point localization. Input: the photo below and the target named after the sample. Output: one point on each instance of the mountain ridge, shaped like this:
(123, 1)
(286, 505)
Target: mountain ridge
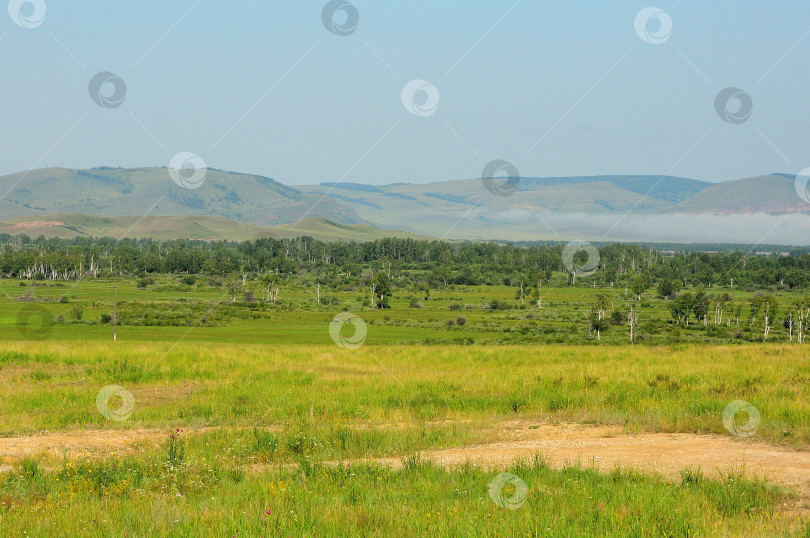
(621, 207)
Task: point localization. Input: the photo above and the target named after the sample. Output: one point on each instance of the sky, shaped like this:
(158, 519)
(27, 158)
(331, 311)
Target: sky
(555, 88)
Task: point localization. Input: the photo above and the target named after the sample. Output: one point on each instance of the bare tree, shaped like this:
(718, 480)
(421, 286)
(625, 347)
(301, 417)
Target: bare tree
(632, 317)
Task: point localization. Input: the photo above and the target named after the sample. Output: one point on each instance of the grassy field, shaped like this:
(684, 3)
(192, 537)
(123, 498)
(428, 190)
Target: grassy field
(273, 423)
(169, 309)
(155, 497)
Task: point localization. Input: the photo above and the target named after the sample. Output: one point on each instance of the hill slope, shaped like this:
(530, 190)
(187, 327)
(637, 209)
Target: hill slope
(635, 208)
(764, 194)
(70, 225)
(136, 191)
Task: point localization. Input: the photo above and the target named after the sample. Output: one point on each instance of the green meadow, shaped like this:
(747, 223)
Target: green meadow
(263, 425)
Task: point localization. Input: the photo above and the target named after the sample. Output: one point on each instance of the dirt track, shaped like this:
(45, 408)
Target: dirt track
(604, 447)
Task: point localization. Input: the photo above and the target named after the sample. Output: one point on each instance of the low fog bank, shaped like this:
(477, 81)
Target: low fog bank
(790, 229)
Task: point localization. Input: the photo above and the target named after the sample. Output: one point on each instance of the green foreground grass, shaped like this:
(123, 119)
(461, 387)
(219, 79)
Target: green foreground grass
(269, 416)
(176, 494)
(53, 386)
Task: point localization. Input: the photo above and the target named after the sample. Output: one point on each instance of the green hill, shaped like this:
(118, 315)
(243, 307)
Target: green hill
(640, 207)
(764, 194)
(135, 191)
(69, 225)
(326, 230)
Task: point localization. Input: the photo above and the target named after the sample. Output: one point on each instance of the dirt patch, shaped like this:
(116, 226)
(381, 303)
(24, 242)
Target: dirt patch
(606, 447)
(79, 444)
(602, 447)
(34, 224)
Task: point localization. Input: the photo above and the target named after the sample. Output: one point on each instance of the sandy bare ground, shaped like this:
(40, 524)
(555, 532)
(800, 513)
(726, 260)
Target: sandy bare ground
(603, 447)
(606, 447)
(78, 444)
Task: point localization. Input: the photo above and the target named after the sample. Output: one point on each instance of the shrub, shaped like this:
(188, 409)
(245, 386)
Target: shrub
(455, 306)
(461, 320)
(450, 322)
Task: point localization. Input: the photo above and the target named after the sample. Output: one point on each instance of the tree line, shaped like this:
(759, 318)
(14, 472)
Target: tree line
(428, 263)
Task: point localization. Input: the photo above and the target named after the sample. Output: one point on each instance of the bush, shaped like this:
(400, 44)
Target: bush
(498, 304)
(106, 318)
(450, 322)
(455, 306)
(461, 320)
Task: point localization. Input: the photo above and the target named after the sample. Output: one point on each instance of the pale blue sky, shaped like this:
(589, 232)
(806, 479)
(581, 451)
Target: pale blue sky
(571, 79)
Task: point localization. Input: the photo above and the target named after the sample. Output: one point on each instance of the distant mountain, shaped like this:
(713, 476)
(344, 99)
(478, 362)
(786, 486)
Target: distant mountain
(206, 228)
(774, 194)
(600, 208)
(136, 191)
(379, 204)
